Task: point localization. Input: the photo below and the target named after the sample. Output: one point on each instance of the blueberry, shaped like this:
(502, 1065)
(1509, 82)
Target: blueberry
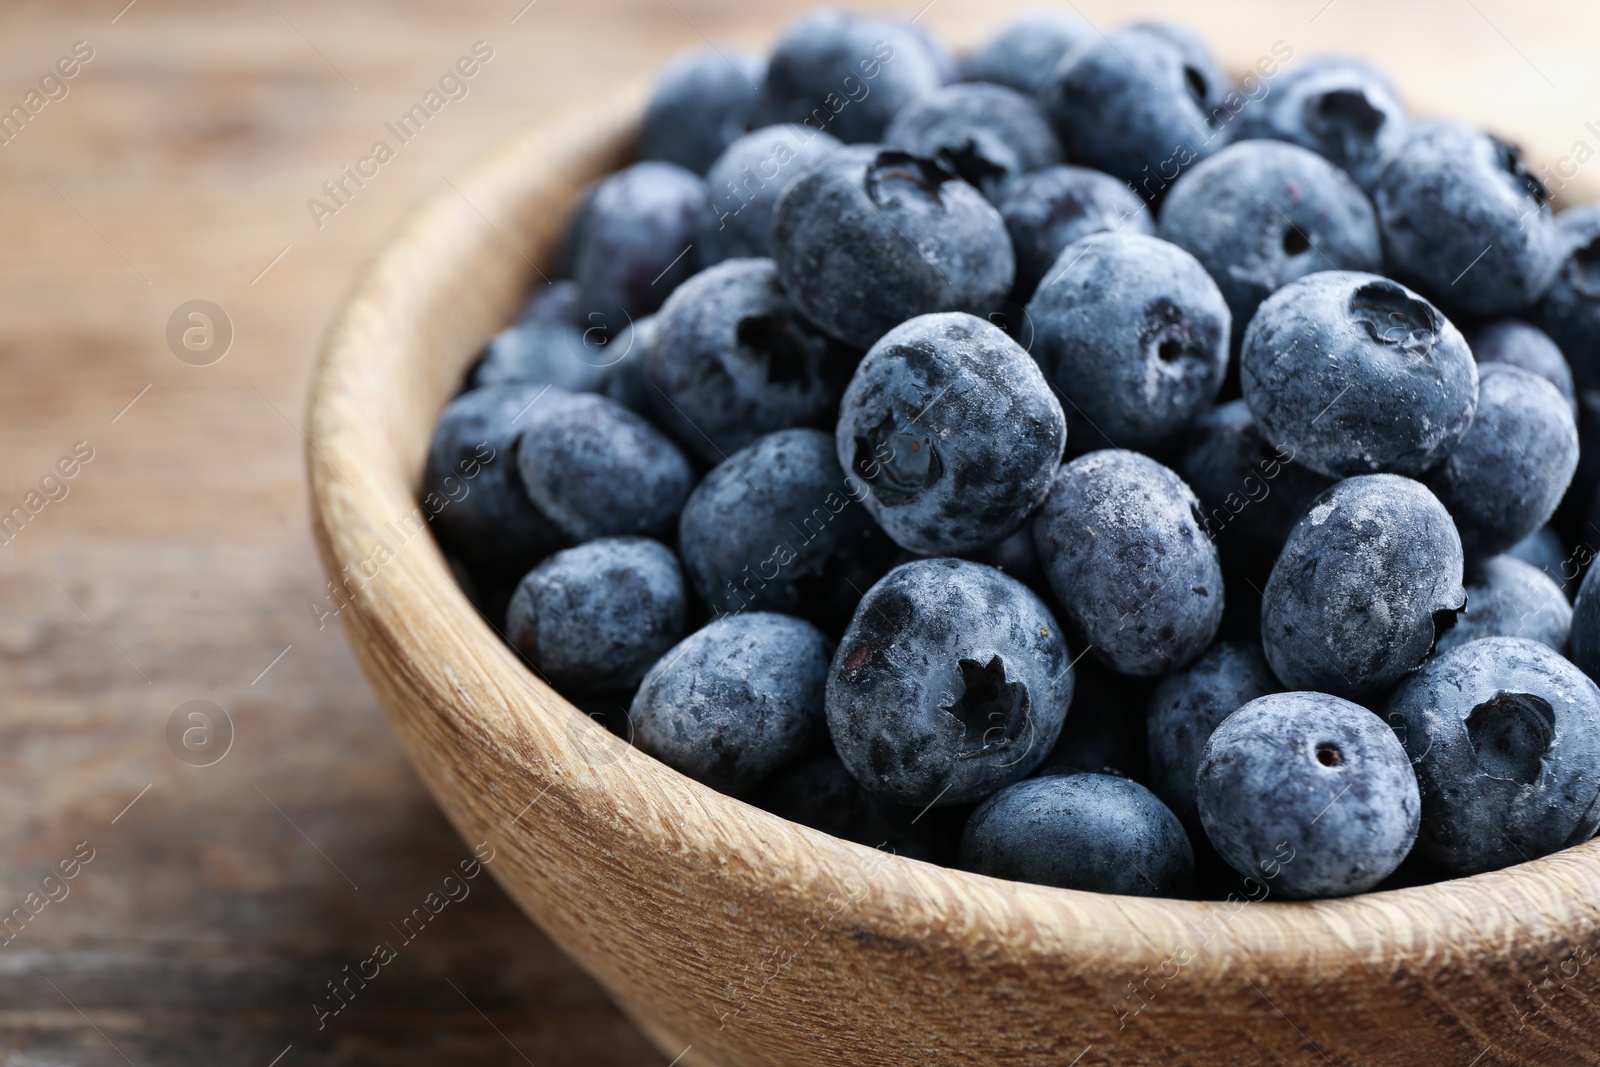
(1465, 222)
(1100, 734)
(735, 700)
(847, 74)
(1017, 556)
(987, 134)
(1544, 551)
(871, 237)
(1368, 579)
(1139, 105)
(627, 356)
(1584, 640)
(1570, 309)
(731, 359)
(1509, 598)
(1251, 493)
(1521, 345)
(1188, 706)
(951, 682)
(1134, 334)
(952, 433)
(591, 619)
(471, 488)
(745, 183)
(1259, 214)
(637, 238)
(703, 99)
(1357, 374)
(1505, 478)
(1049, 209)
(1026, 51)
(543, 353)
(554, 302)
(1505, 736)
(1122, 543)
(778, 527)
(820, 793)
(1080, 831)
(596, 469)
(1338, 107)
(944, 58)
(1308, 793)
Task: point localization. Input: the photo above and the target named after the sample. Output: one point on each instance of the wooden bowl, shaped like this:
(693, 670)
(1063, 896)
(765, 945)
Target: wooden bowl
(735, 938)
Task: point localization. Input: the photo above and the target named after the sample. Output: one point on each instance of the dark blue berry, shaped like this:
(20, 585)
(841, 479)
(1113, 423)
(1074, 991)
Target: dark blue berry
(873, 236)
(951, 682)
(1505, 736)
(1570, 309)
(987, 134)
(1122, 542)
(735, 700)
(636, 247)
(703, 99)
(1336, 106)
(1133, 333)
(1025, 52)
(1309, 794)
(1049, 209)
(731, 359)
(1096, 832)
(951, 432)
(596, 469)
(1507, 597)
(1505, 478)
(1521, 345)
(591, 619)
(744, 185)
(535, 352)
(1368, 579)
(1357, 375)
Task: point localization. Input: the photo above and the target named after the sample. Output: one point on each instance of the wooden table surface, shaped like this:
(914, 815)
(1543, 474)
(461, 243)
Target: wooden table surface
(221, 900)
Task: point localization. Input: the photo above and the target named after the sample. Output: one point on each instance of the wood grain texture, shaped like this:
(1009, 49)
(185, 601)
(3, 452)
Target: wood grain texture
(181, 565)
(755, 941)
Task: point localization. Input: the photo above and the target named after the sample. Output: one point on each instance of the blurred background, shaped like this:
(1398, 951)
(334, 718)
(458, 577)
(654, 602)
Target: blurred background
(175, 727)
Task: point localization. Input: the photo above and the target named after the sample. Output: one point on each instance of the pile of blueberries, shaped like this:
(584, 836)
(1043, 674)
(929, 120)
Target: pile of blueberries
(1063, 462)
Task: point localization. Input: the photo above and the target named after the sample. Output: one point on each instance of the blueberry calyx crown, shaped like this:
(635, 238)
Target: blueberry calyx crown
(894, 177)
(1393, 317)
(1510, 734)
(991, 710)
(907, 461)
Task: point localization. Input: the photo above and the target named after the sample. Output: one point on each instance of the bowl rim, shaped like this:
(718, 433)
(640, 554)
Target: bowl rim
(420, 640)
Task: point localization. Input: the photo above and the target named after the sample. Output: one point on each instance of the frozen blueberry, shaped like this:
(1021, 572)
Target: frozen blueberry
(731, 359)
(847, 74)
(951, 432)
(1367, 581)
(627, 376)
(1133, 332)
(703, 99)
(1261, 213)
(735, 700)
(1186, 707)
(1583, 644)
(1338, 107)
(1017, 556)
(1465, 222)
(871, 237)
(1026, 51)
(636, 243)
(820, 793)
(1049, 209)
(1130, 564)
(1311, 794)
(951, 682)
(1570, 309)
(1509, 598)
(535, 352)
(591, 619)
(1505, 478)
(778, 527)
(1139, 105)
(987, 134)
(1544, 551)
(557, 302)
(944, 57)
(1358, 375)
(481, 513)
(596, 469)
(744, 185)
(1252, 493)
(1505, 736)
(1528, 347)
(1096, 832)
